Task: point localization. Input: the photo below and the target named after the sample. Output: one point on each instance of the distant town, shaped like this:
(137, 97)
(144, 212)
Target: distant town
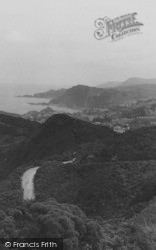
(120, 117)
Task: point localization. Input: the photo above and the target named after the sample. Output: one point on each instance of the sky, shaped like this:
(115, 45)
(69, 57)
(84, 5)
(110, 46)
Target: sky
(47, 44)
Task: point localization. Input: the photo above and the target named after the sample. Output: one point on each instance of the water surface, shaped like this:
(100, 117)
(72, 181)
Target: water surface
(20, 105)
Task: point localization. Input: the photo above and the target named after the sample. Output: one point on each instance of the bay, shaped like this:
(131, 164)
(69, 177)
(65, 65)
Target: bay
(20, 105)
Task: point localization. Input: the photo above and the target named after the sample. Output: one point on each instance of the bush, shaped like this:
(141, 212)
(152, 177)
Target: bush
(52, 219)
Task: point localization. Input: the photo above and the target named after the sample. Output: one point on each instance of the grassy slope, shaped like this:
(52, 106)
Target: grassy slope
(108, 189)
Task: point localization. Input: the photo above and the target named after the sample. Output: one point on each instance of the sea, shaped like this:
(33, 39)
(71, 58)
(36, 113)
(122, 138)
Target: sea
(21, 105)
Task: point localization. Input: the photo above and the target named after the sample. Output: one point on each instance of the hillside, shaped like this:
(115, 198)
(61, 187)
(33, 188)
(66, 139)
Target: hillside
(104, 95)
(114, 198)
(138, 81)
(136, 145)
(110, 84)
(50, 94)
(62, 137)
(77, 96)
(139, 91)
(100, 198)
(106, 189)
(15, 129)
(62, 134)
(89, 97)
(122, 95)
(130, 81)
(110, 97)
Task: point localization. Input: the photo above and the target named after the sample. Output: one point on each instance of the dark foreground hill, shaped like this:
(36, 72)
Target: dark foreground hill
(107, 189)
(60, 134)
(96, 188)
(110, 181)
(14, 130)
(16, 125)
(64, 138)
(137, 145)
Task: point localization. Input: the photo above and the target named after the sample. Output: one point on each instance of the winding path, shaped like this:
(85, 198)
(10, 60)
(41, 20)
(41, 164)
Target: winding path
(28, 183)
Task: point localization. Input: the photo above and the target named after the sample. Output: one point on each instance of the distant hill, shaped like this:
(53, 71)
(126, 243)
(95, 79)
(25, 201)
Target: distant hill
(82, 96)
(139, 91)
(77, 96)
(110, 84)
(109, 97)
(9, 114)
(50, 94)
(138, 81)
(122, 94)
(131, 81)
(106, 94)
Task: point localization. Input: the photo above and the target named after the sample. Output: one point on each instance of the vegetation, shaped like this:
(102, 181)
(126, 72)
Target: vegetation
(109, 189)
(51, 219)
(82, 96)
(100, 201)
